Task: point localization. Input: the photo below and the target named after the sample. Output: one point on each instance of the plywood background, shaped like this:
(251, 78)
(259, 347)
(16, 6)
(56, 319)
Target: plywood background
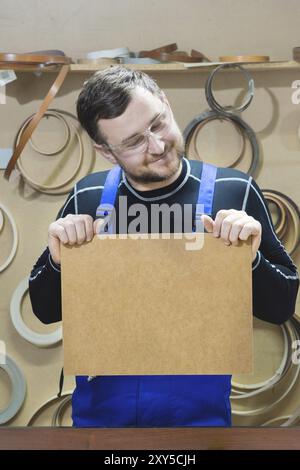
(215, 28)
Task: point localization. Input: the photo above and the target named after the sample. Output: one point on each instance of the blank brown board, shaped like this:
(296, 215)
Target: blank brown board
(150, 306)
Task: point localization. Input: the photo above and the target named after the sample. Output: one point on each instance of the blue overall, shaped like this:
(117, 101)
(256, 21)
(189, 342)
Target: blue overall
(153, 400)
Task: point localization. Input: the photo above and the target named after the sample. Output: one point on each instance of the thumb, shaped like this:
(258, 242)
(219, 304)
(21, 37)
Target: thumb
(54, 248)
(208, 223)
(97, 225)
(255, 242)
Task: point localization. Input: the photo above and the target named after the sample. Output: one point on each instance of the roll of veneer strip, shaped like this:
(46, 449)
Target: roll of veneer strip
(60, 410)
(195, 138)
(14, 233)
(109, 53)
(64, 148)
(244, 58)
(282, 387)
(49, 402)
(30, 159)
(180, 56)
(38, 61)
(170, 53)
(280, 224)
(38, 339)
(291, 236)
(18, 390)
(245, 130)
(259, 387)
(285, 367)
(212, 102)
(168, 48)
(66, 129)
(241, 390)
(228, 110)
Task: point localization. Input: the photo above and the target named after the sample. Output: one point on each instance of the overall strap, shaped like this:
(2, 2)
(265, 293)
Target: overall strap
(109, 192)
(206, 193)
(207, 187)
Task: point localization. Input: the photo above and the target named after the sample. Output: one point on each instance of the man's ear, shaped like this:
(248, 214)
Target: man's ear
(103, 150)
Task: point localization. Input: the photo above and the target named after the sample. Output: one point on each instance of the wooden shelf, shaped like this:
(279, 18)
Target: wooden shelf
(177, 67)
(193, 67)
(196, 438)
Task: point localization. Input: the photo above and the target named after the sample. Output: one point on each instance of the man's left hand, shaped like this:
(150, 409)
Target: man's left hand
(232, 225)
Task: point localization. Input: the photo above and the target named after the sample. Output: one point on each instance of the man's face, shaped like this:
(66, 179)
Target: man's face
(161, 160)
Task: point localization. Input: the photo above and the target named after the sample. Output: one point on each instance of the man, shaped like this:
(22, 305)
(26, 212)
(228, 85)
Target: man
(131, 124)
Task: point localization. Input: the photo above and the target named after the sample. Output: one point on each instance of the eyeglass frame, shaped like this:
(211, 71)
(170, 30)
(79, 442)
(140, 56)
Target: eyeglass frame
(112, 148)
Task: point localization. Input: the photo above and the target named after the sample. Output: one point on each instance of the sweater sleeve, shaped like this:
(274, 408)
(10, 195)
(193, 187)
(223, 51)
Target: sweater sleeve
(45, 279)
(275, 280)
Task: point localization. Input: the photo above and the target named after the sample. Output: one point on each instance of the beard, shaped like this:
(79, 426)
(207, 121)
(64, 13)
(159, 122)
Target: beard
(167, 171)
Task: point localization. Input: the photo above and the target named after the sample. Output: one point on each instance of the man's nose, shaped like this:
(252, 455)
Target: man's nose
(156, 145)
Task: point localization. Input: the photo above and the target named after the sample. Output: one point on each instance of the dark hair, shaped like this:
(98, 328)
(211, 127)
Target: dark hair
(107, 94)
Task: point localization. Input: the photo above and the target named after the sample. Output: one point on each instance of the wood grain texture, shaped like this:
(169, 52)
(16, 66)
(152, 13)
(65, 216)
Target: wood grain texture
(150, 438)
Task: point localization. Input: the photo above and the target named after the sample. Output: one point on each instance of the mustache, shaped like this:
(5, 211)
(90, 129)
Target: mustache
(161, 155)
(178, 145)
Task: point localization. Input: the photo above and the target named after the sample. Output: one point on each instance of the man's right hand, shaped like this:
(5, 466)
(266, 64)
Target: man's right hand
(70, 230)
